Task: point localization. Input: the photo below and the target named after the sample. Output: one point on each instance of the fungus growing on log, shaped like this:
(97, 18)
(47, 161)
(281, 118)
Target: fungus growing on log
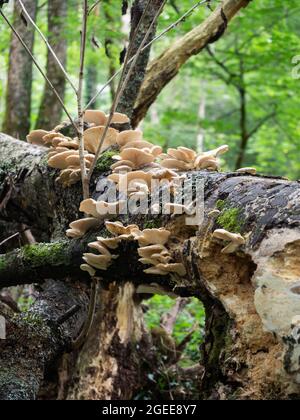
(235, 239)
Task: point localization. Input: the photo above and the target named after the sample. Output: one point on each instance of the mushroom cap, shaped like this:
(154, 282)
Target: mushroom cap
(175, 164)
(138, 157)
(122, 163)
(88, 206)
(111, 243)
(100, 248)
(48, 138)
(228, 236)
(125, 179)
(78, 228)
(164, 173)
(89, 269)
(122, 168)
(117, 228)
(92, 116)
(101, 262)
(184, 154)
(59, 160)
(119, 118)
(219, 151)
(128, 136)
(36, 137)
(138, 144)
(148, 251)
(251, 171)
(177, 268)
(152, 236)
(93, 136)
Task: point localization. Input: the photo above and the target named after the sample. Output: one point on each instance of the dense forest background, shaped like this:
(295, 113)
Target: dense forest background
(242, 91)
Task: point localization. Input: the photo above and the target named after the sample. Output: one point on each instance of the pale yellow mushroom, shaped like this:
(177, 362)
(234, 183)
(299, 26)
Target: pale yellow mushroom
(36, 137)
(78, 228)
(111, 243)
(88, 206)
(152, 236)
(96, 117)
(175, 164)
(100, 262)
(235, 239)
(148, 251)
(89, 269)
(104, 208)
(139, 158)
(93, 136)
(59, 161)
(100, 248)
(119, 118)
(129, 136)
(117, 228)
(250, 171)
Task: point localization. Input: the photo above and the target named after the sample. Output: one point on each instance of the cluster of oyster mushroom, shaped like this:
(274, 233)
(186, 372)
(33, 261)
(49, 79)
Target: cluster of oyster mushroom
(184, 159)
(64, 151)
(104, 258)
(152, 250)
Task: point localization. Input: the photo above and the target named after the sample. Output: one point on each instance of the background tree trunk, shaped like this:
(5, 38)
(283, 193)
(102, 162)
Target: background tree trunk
(50, 112)
(19, 82)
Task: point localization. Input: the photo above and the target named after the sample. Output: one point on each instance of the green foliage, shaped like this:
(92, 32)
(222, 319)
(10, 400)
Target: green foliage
(193, 314)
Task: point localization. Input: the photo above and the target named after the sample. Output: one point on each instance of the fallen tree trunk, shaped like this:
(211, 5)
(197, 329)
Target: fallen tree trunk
(36, 340)
(164, 68)
(251, 296)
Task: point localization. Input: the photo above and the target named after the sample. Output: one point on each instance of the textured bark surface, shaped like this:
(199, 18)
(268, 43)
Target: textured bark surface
(251, 297)
(132, 89)
(164, 68)
(50, 110)
(36, 339)
(18, 96)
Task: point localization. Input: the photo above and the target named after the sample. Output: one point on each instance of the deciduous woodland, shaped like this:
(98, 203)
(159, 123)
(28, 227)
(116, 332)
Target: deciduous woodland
(149, 200)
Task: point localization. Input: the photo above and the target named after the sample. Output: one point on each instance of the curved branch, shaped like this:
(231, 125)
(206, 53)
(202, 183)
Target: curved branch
(163, 69)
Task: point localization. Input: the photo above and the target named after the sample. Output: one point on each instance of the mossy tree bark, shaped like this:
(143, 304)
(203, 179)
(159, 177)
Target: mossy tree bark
(251, 296)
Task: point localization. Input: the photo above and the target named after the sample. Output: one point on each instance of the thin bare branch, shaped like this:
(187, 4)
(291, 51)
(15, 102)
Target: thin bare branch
(85, 184)
(15, 235)
(158, 37)
(123, 84)
(47, 44)
(93, 7)
(38, 67)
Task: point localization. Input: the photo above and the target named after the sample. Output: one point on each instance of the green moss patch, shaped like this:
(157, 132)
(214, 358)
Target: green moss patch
(105, 161)
(230, 220)
(43, 254)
